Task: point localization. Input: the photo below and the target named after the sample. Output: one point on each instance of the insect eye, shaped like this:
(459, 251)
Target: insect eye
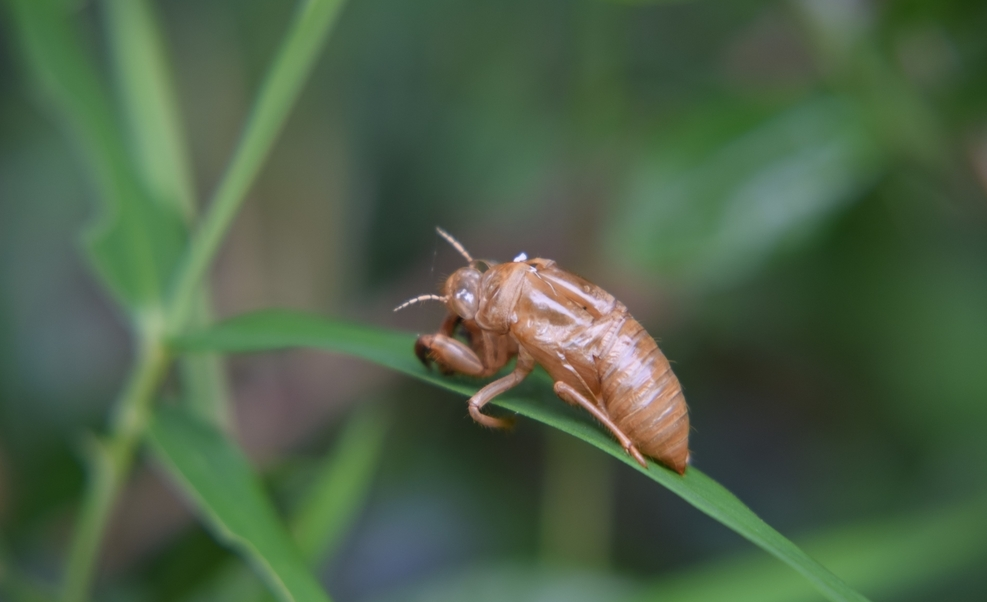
(465, 296)
(462, 290)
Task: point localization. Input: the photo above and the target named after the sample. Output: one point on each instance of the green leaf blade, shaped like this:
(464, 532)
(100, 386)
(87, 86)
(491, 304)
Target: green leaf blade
(134, 244)
(328, 507)
(276, 329)
(155, 136)
(889, 556)
(311, 27)
(213, 473)
(144, 83)
(341, 486)
(705, 494)
(134, 247)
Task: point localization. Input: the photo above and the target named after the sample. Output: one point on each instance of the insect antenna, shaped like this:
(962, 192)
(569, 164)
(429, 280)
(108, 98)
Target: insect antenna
(419, 299)
(455, 243)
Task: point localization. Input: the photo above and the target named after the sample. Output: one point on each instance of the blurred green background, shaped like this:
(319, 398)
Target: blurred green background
(790, 196)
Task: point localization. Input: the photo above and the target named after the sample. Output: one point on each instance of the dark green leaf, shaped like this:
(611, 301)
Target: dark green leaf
(892, 557)
(281, 329)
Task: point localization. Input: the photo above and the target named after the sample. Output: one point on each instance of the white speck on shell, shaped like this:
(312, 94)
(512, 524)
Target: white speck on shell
(521, 257)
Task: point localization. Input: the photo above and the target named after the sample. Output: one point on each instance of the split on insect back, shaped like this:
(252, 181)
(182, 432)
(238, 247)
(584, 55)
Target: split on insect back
(600, 358)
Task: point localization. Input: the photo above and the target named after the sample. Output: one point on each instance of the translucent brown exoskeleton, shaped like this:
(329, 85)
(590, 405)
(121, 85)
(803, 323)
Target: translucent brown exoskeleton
(600, 358)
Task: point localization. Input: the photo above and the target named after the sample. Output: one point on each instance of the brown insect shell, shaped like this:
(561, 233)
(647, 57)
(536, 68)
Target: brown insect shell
(580, 334)
(553, 314)
(488, 298)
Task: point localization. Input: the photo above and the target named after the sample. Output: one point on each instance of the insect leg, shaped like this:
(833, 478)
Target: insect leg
(449, 325)
(422, 345)
(569, 394)
(525, 363)
(451, 355)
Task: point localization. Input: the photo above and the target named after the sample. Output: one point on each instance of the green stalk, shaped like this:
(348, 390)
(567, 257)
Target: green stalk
(203, 377)
(61, 66)
(309, 30)
(109, 464)
(146, 90)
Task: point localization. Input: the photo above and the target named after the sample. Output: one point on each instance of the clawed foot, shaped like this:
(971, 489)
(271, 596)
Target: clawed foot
(630, 449)
(490, 421)
(423, 350)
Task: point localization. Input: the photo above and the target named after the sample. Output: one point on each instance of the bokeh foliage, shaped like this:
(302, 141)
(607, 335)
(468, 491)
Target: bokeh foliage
(789, 194)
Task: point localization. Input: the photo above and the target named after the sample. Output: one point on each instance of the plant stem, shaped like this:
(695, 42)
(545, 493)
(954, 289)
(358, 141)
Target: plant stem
(309, 30)
(205, 391)
(146, 92)
(109, 464)
(111, 460)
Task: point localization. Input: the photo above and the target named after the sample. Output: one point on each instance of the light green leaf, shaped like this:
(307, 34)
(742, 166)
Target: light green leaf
(134, 243)
(157, 141)
(135, 248)
(143, 80)
(309, 30)
(281, 329)
(219, 482)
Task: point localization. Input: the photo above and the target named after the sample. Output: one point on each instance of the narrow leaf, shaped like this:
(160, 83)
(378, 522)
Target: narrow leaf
(311, 27)
(341, 486)
(144, 84)
(889, 557)
(219, 482)
(134, 243)
(281, 329)
(156, 139)
(328, 506)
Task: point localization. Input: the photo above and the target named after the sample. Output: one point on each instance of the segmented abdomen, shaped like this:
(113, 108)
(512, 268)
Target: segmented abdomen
(643, 396)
